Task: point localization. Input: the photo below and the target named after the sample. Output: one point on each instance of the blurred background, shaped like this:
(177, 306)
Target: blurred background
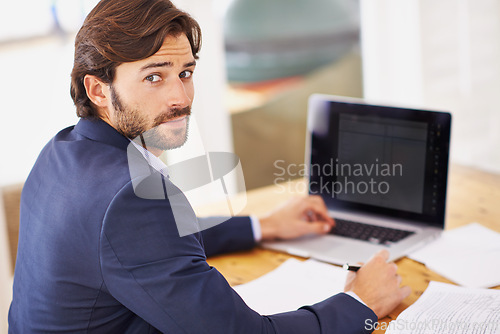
(260, 61)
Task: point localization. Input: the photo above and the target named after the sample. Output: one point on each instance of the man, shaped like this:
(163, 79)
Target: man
(96, 257)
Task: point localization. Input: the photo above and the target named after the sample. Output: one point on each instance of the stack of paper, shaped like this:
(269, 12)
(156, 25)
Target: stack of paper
(468, 256)
(292, 285)
(445, 308)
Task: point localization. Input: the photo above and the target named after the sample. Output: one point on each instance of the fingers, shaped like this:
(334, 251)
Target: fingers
(393, 268)
(381, 258)
(378, 284)
(316, 227)
(382, 254)
(315, 209)
(295, 218)
(313, 218)
(404, 292)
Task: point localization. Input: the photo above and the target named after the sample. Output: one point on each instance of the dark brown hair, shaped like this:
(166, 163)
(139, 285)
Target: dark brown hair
(120, 31)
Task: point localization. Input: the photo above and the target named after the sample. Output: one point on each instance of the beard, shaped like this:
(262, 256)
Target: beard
(134, 125)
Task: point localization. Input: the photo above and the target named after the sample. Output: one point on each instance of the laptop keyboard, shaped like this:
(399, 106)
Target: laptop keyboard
(372, 233)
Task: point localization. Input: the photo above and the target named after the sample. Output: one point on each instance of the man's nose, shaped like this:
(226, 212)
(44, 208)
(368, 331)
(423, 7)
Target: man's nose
(177, 95)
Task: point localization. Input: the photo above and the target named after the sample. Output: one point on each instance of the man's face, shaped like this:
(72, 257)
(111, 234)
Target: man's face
(153, 96)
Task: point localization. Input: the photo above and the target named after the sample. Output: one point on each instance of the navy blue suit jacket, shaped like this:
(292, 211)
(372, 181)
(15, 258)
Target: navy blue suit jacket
(95, 258)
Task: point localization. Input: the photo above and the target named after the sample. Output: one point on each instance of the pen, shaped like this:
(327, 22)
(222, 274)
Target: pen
(351, 267)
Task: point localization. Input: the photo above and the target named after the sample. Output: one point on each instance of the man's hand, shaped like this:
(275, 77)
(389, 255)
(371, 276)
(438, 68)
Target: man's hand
(378, 284)
(297, 217)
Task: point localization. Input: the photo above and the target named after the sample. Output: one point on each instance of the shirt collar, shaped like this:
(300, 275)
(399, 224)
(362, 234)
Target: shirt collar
(152, 160)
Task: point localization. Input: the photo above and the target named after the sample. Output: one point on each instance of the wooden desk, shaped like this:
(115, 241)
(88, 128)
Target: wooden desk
(473, 196)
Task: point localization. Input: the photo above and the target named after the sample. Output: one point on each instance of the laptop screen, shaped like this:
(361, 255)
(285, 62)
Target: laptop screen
(376, 159)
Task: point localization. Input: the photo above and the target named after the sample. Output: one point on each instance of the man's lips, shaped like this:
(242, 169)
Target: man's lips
(176, 122)
(176, 119)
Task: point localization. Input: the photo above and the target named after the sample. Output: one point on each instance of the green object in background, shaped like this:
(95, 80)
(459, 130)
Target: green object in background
(270, 39)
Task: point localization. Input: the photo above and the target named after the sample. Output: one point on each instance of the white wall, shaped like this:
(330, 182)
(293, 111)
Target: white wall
(439, 54)
(34, 82)
(5, 273)
(34, 90)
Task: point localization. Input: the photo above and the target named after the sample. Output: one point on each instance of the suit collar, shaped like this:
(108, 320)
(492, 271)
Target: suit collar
(98, 130)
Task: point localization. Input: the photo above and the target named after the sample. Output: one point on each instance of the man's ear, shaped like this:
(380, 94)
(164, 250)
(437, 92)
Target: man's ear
(97, 91)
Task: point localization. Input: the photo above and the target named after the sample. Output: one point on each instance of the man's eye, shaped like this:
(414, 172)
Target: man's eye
(186, 74)
(153, 78)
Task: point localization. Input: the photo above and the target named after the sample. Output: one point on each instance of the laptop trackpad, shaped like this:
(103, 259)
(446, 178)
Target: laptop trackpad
(341, 250)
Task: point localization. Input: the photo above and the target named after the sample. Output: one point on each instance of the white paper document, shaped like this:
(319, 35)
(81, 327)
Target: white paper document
(468, 256)
(292, 285)
(445, 309)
